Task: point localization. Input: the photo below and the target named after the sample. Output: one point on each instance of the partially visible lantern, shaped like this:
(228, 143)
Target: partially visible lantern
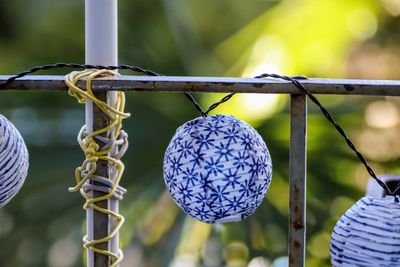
(217, 169)
(14, 161)
(376, 190)
(368, 234)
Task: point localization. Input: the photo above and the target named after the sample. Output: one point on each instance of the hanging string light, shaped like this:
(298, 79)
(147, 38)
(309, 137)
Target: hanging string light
(204, 178)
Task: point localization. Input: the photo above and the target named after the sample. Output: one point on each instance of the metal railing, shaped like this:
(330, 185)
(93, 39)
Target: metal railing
(298, 124)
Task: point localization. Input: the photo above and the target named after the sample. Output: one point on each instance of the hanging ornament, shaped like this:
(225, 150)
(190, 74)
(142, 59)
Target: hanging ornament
(217, 169)
(14, 161)
(368, 234)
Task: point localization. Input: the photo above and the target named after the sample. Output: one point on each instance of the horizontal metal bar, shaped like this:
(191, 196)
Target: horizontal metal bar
(211, 84)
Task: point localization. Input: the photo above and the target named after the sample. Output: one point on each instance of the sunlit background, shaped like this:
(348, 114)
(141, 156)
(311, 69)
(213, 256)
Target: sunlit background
(44, 224)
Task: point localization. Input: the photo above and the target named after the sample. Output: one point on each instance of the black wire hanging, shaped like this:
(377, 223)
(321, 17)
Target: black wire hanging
(295, 80)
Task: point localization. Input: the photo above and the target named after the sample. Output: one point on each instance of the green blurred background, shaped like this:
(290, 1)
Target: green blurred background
(43, 225)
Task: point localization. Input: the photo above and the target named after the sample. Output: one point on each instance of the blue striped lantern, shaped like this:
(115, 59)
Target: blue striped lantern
(217, 169)
(368, 234)
(14, 161)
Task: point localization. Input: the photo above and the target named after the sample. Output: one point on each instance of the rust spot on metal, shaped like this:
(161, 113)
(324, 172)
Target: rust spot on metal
(298, 211)
(294, 258)
(298, 225)
(225, 84)
(291, 260)
(348, 87)
(145, 82)
(258, 85)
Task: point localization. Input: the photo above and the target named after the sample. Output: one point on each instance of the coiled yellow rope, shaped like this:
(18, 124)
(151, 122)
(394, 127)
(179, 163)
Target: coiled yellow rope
(84, 174)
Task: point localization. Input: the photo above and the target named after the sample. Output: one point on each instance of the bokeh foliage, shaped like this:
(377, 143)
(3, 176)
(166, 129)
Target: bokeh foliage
(43, 225)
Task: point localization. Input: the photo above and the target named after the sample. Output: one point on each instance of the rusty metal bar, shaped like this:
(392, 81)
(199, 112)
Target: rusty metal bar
(212, 84)
(98, 224)
(297, 173)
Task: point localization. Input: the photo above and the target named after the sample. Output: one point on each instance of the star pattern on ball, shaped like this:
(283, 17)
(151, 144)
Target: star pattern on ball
(217, 168)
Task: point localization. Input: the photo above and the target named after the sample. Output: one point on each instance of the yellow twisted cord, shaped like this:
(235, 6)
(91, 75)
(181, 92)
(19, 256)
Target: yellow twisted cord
(92, 152)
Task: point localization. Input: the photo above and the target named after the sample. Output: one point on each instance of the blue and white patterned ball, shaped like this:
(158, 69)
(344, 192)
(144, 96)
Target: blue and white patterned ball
(14, 161)
(368, 234)
(217, 169)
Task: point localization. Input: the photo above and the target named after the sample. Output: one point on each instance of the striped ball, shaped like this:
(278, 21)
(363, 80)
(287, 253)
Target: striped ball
(217, 169)
(368, 234)
(14, 161)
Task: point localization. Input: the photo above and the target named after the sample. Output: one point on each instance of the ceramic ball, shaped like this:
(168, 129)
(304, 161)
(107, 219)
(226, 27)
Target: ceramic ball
(14, 161)
(368, 234)
(217, 169)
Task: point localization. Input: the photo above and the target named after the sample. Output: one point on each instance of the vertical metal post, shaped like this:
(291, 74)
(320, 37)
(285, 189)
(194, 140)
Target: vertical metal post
(297, 173)
(101, 49)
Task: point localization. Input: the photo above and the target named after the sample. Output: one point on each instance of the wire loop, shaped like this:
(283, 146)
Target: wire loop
(115, 145)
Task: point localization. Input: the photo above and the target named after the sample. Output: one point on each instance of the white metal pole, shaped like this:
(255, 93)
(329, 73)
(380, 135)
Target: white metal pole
(101, 25)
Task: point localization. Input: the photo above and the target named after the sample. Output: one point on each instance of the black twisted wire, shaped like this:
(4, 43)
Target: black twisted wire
(90, 66)
(299, 85)
(294, 80)
(229, 96)
(216, 104)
